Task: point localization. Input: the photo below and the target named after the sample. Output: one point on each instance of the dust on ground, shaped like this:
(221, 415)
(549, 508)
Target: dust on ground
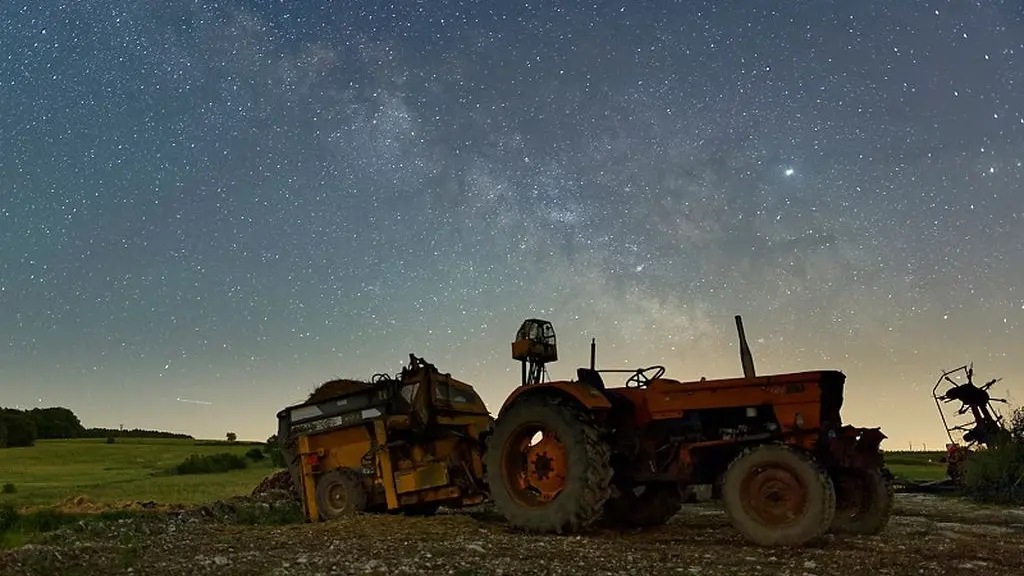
(928, 535)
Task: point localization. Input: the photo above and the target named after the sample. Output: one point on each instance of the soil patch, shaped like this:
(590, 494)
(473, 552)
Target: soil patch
(928, 534)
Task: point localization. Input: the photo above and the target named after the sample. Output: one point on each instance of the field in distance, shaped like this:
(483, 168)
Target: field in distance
(129, 470)
(918, 466)
(134, 470)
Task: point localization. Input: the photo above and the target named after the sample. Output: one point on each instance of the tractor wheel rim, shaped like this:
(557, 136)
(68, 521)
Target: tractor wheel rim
(774, 495)
(535, 473)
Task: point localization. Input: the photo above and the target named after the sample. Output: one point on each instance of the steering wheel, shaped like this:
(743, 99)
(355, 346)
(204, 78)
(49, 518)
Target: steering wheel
(640, 379)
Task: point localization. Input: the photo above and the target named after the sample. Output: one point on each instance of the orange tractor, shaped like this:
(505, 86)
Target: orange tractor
(568, 455)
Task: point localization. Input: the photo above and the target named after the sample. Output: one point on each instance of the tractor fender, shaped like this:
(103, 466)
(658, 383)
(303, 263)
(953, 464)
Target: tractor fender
(590, 398)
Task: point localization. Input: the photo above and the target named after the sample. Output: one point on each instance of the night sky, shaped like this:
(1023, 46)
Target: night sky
(206, 209)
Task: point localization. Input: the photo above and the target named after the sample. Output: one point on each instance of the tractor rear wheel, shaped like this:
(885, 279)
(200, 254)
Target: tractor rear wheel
(776, 495)
(339, 493)
(557, 483)
(864, 500)
(654, 506)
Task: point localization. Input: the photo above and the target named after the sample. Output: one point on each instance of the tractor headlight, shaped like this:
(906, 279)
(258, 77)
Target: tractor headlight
(799, 420)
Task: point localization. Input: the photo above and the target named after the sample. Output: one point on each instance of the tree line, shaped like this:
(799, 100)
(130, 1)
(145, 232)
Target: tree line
(20, 428)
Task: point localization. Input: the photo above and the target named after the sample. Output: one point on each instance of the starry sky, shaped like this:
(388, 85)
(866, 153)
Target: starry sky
(208, 208)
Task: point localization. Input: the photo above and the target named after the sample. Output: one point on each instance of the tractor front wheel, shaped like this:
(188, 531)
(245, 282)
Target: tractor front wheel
(776, 495)
(547, 467)
(864, 500)
(339, 493)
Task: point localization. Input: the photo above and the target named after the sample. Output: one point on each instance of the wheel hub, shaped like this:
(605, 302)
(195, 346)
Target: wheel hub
(774, 495)
(337, 497)
(542, 466)
(536, 470)
(546, 466)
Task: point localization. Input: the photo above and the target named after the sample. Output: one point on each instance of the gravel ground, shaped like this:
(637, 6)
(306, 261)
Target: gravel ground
(928, 535)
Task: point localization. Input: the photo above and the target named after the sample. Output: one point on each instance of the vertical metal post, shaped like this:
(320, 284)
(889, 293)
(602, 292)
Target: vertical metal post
(745, 357)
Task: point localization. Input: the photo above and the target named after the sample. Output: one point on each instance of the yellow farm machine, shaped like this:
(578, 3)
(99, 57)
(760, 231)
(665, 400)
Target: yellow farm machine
(410, 443)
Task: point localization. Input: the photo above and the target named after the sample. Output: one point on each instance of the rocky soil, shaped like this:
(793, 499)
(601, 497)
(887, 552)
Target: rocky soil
(928, 535)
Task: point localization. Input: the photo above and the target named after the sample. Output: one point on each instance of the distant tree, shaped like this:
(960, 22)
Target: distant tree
(24, 427)
(133, 433)
(232, 437)
(57, 422)
(21, 428)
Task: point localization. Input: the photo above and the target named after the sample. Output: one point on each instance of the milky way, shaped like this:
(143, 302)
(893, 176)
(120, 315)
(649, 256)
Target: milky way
(233, 202)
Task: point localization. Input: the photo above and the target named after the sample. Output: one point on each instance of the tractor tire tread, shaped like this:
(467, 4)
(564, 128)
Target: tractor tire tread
(596, 484)
(876, 513)
(355, 490)
(768, 536)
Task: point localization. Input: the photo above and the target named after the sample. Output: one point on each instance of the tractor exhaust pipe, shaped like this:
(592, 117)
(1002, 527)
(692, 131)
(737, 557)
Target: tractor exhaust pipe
(745, 357)
(593, 352)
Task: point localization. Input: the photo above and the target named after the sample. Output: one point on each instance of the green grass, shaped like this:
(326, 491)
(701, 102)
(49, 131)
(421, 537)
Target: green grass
(17, 529)
(919, 466)
(132, 469)
(135, 469)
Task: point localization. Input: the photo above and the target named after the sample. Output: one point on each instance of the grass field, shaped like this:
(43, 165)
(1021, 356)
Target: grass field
(920, 466)
(129, 470)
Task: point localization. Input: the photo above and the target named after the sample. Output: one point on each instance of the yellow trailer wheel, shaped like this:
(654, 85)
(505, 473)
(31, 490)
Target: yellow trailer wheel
(340, 493)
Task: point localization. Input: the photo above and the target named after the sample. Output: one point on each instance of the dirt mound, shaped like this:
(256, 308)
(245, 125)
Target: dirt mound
(278, 481)
(270, 507)
(333, 388)
(84, 505)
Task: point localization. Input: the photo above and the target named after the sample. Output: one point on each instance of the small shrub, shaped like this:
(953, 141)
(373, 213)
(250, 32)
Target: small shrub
(995, 474)
(110, 440)
(226, 443)
(8, 488)
(255, 455)
(273, 450)
(210, 464)
(8, 517)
